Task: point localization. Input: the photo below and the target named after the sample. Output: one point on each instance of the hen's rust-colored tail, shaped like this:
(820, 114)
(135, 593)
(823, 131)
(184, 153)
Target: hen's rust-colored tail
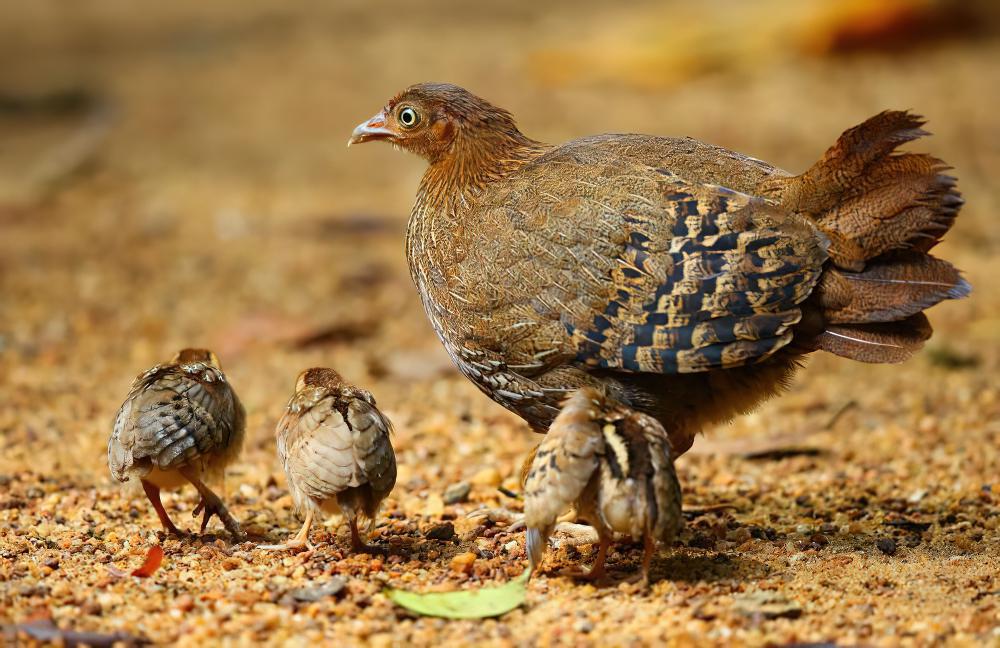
(882, 211)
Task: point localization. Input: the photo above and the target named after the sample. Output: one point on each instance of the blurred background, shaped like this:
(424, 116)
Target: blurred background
(175, 174)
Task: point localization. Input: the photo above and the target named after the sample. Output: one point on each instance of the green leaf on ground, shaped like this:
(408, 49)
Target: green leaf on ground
(465, 604)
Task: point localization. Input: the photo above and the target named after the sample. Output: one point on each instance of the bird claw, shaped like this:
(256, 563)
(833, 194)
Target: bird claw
(513, 519)
(575, 535)
(218, 509)
(595, 574)
(292, 544)
(174, 532)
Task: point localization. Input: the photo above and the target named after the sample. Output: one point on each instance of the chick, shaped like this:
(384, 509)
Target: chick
(181, 422)
(334, 446)
(615, 466)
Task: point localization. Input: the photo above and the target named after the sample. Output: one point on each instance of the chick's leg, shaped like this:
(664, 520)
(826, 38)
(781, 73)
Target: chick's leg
(597, 571)
(153, 493)
(301, 538)
(358, 545)
(211, 504)
(648, 550)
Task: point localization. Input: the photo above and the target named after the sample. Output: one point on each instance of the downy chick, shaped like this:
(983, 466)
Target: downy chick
(181, 422)
(334, 445)
(615, 466)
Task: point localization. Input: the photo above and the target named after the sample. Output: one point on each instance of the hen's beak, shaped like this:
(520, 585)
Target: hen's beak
(373, 129)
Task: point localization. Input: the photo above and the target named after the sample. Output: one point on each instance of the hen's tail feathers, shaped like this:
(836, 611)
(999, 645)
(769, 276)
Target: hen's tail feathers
(879, 342)
(881, 211)
(890, 288)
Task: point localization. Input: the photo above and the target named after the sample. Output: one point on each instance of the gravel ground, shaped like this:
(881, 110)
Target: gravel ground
(197, 192)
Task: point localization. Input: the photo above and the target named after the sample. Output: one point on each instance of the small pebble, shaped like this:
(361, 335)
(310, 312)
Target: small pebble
(739, 536)
(463, 562)
(487, 477)
(184, 603)
(886, 546)
(444, 531)
(457, 493)
(819, 539)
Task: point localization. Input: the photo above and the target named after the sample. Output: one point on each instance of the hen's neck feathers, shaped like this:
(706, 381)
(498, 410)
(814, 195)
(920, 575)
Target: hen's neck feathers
(481, 152)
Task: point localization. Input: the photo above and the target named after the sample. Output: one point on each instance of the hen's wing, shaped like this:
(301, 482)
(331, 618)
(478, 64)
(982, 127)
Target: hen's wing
(173, 415)
(633, 268)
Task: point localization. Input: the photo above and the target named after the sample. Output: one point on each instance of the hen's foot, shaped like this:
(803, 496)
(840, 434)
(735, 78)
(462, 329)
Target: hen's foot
(301, 539)
(358, 545)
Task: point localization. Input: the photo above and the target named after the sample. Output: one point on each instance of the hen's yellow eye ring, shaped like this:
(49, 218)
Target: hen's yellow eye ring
(408, 117)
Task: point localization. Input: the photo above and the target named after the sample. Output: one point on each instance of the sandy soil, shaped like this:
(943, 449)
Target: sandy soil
(198, 192)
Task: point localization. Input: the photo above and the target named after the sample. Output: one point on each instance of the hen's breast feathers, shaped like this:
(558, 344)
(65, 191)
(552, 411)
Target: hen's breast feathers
(628, 267)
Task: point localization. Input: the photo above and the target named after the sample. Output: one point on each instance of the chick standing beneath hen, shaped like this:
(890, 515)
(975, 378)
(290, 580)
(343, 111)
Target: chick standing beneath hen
(679, 279)
(615, 467)
(181, 423)
(334, 445)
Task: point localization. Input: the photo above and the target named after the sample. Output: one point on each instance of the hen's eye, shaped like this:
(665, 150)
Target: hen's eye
(408, 117)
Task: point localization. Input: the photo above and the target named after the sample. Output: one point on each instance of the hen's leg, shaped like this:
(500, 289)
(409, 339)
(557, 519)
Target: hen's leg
(153, 493)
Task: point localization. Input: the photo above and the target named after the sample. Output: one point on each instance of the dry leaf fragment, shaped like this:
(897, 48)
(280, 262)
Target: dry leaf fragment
(153, 559)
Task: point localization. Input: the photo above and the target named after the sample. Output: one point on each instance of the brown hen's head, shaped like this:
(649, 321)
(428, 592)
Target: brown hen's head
(441, 121)
(318, 377)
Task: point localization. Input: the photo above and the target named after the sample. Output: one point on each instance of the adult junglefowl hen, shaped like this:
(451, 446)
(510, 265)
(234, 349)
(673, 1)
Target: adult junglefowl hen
(677, 278)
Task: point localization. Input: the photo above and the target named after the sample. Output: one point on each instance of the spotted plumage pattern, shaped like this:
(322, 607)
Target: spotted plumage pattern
(714, 281)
